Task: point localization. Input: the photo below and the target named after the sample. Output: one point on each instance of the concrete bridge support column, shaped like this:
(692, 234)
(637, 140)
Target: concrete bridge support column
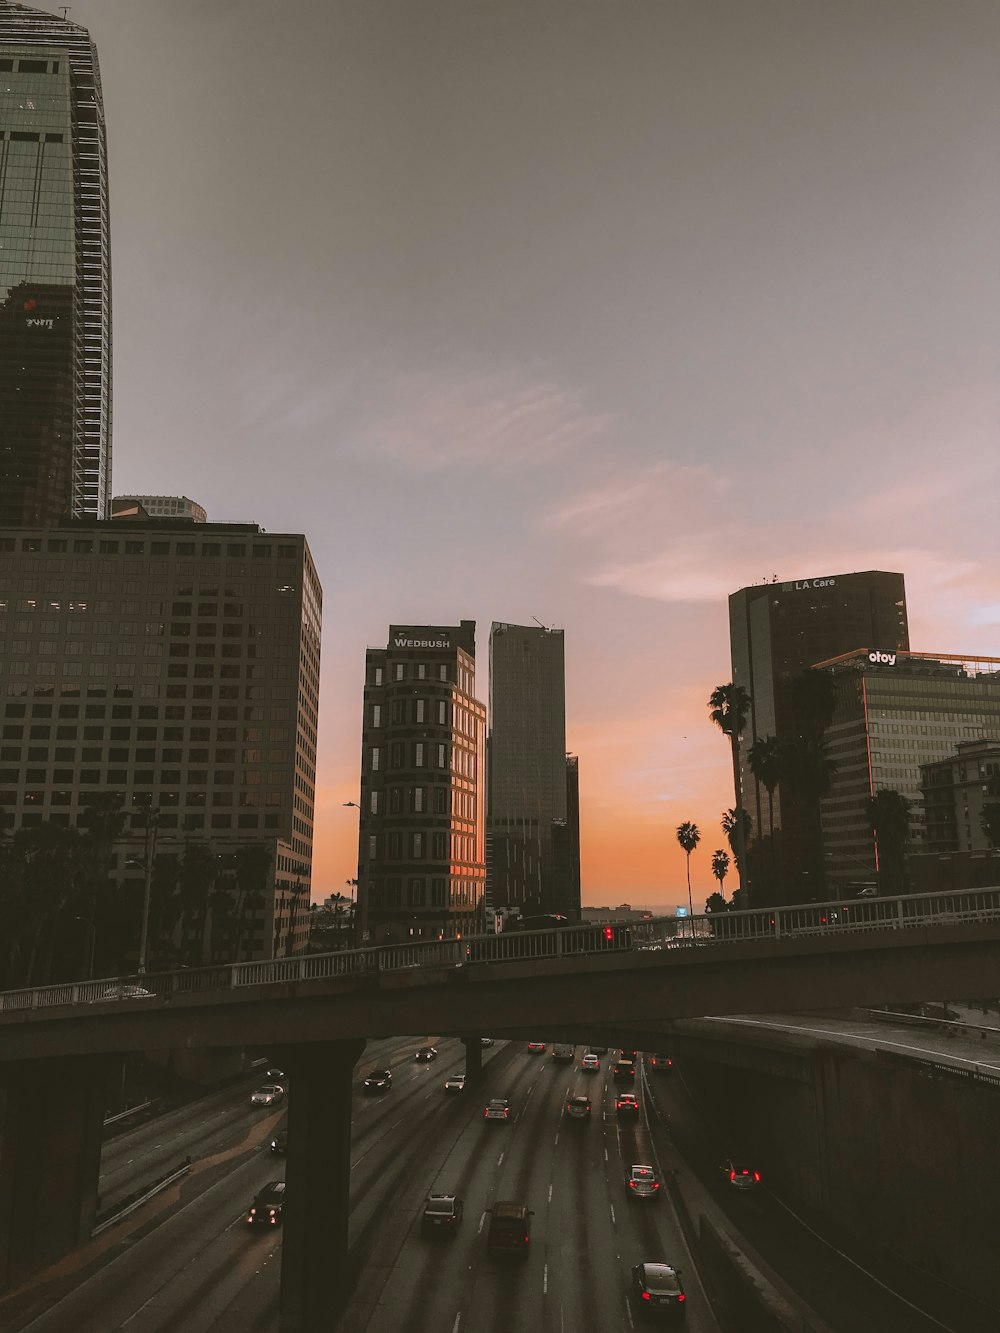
(51, 1127)
(473, 1058)
(315, 1265)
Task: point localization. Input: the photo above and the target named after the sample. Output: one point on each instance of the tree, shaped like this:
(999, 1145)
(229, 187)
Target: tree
(889, 817)
(715, 902)
(729, 708)
(720, 869)
(689, 838)
(765, 761)
(734, 830)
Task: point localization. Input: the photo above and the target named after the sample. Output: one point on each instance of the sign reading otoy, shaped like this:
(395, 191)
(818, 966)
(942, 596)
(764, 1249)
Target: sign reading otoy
(882, 659)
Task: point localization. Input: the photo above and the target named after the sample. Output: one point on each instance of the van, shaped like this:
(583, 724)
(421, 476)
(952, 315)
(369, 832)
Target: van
(623, 1072)
(510, 1229)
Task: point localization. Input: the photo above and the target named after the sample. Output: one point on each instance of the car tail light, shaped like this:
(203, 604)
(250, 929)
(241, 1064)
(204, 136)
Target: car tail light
(655, 1184)
(631, 1184)
(646, 1296)
(681, 1296)
(505, 1113)
(526, 1239)
(756, 1176)
(732, 1175)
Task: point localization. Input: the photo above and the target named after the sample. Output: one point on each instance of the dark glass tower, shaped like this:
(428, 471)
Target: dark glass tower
(55, 273)
(777, 631)
(533, 821)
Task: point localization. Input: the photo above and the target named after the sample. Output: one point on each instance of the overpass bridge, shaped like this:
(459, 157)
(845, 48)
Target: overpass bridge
(625, 983)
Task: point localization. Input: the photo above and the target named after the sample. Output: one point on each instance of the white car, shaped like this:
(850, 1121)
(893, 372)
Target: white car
(455, 1084)
(591, 1062)
(268, 1095)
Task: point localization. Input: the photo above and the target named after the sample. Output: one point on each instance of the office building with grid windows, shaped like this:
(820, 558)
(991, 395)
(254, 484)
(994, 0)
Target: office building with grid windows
(899, 717)
(179, 667)
(55, 273)
(421, 829)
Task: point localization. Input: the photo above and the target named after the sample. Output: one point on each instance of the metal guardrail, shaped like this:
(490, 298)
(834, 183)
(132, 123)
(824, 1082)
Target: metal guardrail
(579, 941)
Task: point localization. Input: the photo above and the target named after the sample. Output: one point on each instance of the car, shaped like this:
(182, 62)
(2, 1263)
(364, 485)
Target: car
(510, 1228)
(126, 993)
(456, 1083)
(598, 1050)
(379, 1080)
(642, 1182)
(426, 1053)
(279, 1143)
(536, 1047)
(275, 1076)
(663, 1064)
(628, 1055)
(627, 1103)
(269, 1094)
(267, 1207)
(498, 1110)
(591, 1062)
(623, 1071)
(442, 1215)
(578, 1108)
(561, 1051)
(658, 1290)
(486, 1041)
(739, 1174)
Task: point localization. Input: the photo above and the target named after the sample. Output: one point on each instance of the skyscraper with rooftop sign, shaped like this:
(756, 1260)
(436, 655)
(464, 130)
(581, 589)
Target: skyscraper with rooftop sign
(55, 273)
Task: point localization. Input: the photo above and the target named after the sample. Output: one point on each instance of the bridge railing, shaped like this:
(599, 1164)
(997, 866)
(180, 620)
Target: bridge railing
(585, 939)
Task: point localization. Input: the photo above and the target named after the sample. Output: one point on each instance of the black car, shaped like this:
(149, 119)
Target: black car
(426, 1053)
(657, 1290)
(663, 1064)
(379, 1080)
(442, 1215)
(267, 1207)
(578, 1108)
(279, 1143)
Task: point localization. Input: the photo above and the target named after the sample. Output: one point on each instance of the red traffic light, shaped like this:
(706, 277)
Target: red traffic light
(609, 934)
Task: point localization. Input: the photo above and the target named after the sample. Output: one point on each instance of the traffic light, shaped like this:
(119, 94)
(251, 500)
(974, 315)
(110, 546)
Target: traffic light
(609, 933)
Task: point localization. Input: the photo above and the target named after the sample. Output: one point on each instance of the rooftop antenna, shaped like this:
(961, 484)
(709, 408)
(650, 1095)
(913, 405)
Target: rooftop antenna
(65, 9)
(538, 622)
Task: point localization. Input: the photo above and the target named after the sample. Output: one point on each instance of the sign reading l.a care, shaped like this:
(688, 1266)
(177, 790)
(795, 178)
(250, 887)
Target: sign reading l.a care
(798, 584)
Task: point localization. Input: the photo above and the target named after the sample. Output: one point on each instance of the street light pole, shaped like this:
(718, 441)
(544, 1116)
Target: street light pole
(361, 908)
(152, 821)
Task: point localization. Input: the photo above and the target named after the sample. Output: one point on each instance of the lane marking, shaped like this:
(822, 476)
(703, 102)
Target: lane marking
(606, 1157)
(458, 1320)
(545, 1280)
(482, 1223)
(613, 1222)
(550, 1194)
(628, 1311)
(500, 1159)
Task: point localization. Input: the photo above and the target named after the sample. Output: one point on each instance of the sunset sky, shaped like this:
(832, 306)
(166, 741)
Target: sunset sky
(585, 310)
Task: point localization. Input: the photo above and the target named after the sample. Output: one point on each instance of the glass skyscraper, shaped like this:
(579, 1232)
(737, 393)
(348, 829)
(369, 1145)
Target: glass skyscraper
(55, 273)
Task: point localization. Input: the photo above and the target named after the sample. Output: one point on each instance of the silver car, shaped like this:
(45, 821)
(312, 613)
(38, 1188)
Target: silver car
(268, 1095)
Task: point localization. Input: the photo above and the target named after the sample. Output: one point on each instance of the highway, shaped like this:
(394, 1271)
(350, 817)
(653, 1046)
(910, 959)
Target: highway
(196, 1266)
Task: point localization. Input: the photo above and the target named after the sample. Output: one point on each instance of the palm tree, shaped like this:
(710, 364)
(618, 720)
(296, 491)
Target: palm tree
(889, 817)
(720, 868)
(765, 761)
(729, 708)
(689, 838)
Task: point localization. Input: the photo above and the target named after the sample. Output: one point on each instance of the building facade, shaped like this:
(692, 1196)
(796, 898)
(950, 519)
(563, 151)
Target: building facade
(180, 670)
(55, 274)
(777, 631)
(533, 807)
(158, 506)
(898, 717)
(422, 825)
(954, 791)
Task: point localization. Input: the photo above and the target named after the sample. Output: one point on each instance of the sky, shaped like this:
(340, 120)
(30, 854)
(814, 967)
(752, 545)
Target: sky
(586, 310)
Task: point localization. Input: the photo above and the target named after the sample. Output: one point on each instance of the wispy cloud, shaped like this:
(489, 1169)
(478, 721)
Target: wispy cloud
(494, 419)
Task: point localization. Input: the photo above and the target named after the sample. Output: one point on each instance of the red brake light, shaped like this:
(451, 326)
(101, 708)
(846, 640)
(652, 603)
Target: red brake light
(505, 1113)
(732, 1175)
(655, 1184)
(631, 1184)
(681, 1296)
(756, 1176)
(646, 1296)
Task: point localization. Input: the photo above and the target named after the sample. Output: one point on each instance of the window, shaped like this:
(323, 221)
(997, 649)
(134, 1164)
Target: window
(418, 800)
(378, 675)
(399, 670)
(417, 846)
(442, 756)
(418, 754)
(376, 758)
(376, 715)
(372, 844)
(374, 805)
(415, 893)
(440, 800)
(421, 706)
(442, 713)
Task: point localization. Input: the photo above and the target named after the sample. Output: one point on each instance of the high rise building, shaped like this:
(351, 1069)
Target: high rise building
(55, 273)
(177, 667)
(422, 826)
(900, 716)
(777, 631)
(158, 506)
(533, 822)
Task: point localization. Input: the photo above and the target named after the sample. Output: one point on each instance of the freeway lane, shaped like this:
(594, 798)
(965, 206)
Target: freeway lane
(586, 1231)
(201, 1268)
